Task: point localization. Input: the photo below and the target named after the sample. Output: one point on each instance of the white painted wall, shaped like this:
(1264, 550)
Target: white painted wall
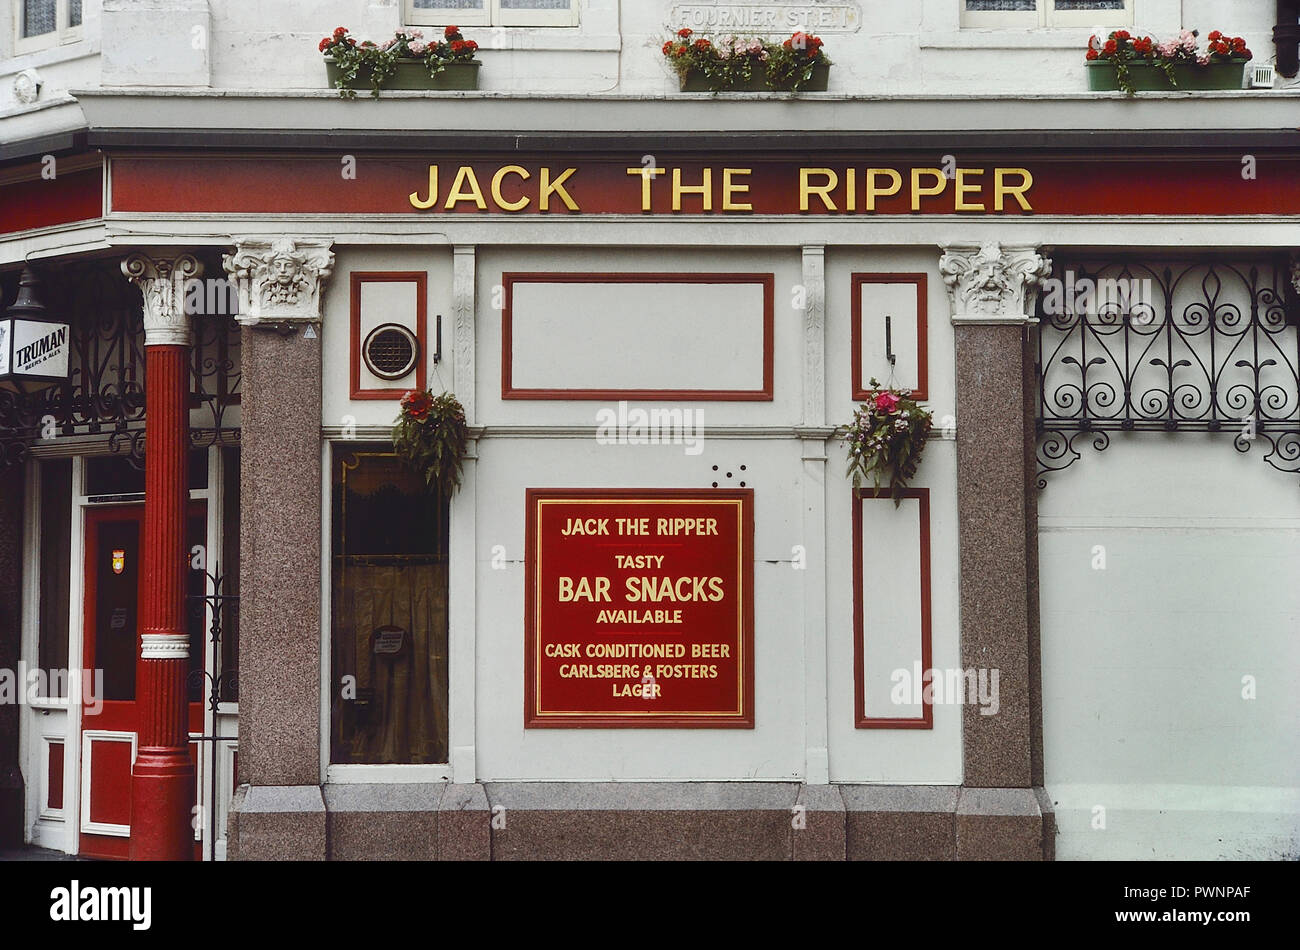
(552, 443)
(901, 49)
(1143, 661)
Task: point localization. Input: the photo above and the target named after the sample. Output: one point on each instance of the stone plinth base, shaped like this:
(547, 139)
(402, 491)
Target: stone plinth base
(602, 821)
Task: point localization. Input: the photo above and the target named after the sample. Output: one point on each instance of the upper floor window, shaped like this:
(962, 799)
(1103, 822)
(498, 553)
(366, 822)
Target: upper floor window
(492, 12)
(42, 23)
(1028, 14)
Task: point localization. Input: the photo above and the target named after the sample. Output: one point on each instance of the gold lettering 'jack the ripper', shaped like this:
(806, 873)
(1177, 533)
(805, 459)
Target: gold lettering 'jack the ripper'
(513, 189)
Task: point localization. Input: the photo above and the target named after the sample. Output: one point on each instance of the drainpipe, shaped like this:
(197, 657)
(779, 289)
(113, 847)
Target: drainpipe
(1286, 37)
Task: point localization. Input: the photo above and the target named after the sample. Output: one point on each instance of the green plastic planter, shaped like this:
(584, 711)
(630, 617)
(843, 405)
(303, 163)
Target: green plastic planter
(694, 81)
(1103, 77)
(412, 74)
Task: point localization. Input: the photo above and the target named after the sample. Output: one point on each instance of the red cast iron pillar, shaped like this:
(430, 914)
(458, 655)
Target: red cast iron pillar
(162, 779)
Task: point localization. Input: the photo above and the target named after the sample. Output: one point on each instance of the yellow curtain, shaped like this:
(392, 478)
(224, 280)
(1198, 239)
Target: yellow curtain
(405, 719)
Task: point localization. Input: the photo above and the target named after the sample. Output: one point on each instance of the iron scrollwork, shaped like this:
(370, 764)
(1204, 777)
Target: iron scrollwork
(1207, 346)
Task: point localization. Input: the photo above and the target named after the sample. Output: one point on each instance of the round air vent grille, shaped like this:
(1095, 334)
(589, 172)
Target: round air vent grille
(390, 351)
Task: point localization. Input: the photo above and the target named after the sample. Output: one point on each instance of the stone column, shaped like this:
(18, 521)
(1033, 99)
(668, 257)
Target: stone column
(992, 290)
(162, 778)
(279, 812)
(11, 576)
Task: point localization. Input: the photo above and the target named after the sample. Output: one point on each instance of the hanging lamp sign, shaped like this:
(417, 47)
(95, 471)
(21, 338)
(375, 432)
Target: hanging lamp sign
(33, 351)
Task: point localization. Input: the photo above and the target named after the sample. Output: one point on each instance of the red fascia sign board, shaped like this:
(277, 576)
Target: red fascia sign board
(848, 184)
(639, 608)
(41, 202)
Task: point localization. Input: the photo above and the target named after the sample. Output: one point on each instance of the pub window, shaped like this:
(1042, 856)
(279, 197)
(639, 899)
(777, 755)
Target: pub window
(389, 612)
(1030, 14)
(492, 12)
(42, 23)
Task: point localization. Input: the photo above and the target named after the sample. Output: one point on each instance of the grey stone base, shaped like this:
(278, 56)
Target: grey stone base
(590, 821)
(276, 823)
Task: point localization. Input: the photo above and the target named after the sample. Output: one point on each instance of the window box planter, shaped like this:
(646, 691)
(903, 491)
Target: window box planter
(1103, 77)
(695, 81)
(412, 74)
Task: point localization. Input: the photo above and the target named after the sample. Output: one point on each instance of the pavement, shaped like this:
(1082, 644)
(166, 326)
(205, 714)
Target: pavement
(30, 853)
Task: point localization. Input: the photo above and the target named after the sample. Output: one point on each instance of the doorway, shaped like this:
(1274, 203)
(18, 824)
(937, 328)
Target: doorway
(115, 583)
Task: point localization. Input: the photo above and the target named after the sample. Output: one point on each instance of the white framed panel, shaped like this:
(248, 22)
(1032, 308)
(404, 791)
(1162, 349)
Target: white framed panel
(894, 585)
(88, 739)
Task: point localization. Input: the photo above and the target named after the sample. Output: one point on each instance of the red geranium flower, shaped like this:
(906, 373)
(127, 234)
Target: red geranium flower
(341, 31)
(1091, 54)
(451, 31)
(1215, 35)
(325, 43)
(702, 44)
(1110, 47)
(1238, 43)
(886, 402)
(684, 32)
(417, 404)
(667, 47)
(1122, 35)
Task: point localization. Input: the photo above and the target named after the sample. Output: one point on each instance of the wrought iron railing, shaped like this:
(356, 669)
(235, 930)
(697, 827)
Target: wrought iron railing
(1205, 346)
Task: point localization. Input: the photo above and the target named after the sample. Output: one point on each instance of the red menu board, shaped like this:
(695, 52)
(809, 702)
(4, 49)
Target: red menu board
(639, 608)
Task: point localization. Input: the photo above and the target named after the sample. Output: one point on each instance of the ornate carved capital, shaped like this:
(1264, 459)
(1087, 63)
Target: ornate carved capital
(990, 283)
(162, 283)
(280, 281)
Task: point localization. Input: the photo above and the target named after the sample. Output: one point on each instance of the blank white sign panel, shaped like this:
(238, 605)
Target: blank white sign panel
(637, 336)
(891, 603)
(898, 302)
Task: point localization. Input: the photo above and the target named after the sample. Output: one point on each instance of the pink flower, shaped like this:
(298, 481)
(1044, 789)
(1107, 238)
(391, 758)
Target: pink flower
(1203, 60)
(419, 47)
(886, 402)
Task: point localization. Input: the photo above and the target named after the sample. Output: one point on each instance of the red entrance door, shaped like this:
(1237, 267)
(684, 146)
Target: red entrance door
(110, 719)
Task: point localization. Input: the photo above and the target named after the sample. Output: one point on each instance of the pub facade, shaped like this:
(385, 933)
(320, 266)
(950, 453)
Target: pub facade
(646, 613)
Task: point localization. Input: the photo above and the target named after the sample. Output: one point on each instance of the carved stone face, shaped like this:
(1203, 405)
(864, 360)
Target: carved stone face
(989, 286)
(283, 270)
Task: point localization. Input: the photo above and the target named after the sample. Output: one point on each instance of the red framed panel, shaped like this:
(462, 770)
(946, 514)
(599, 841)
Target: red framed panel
(54, 774)
(722, 701)
(921, 392)
(766, 281)
(421, 281)
(861, 719)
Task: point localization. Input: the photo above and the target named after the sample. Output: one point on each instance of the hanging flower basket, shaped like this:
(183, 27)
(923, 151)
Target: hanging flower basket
(886, 439)
(430, 436)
